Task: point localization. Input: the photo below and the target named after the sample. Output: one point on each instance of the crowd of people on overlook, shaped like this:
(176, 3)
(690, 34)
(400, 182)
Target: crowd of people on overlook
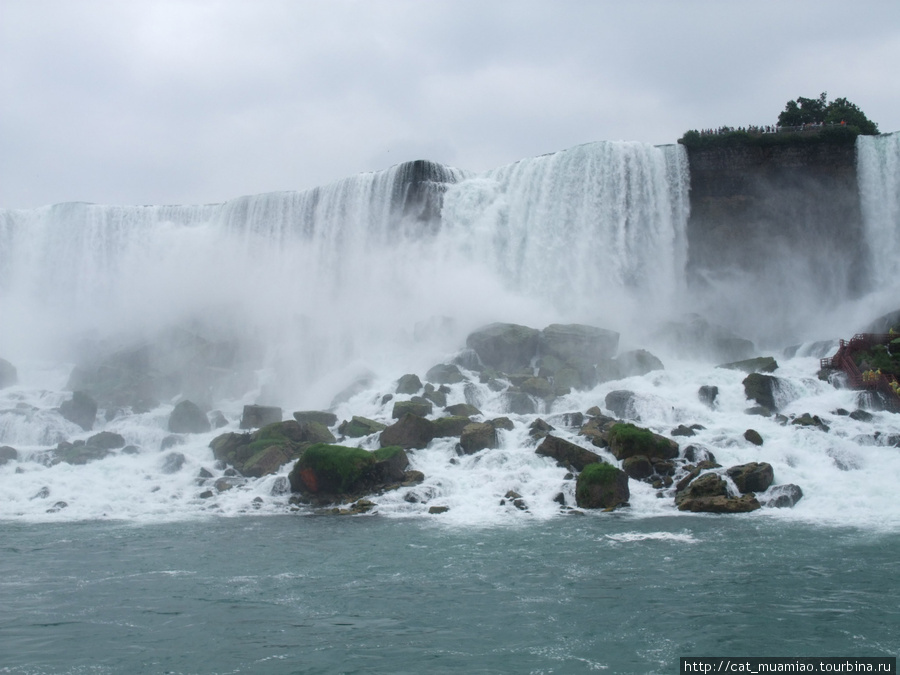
(757, 130)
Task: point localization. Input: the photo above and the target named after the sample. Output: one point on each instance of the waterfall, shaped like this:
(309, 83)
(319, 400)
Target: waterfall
(878, 159)
(595, 229)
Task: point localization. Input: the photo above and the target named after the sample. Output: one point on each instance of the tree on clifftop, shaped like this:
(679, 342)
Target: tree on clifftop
(819, 111)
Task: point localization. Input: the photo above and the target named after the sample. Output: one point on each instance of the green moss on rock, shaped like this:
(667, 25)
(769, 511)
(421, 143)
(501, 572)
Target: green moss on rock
(627, 440)
(601, 485)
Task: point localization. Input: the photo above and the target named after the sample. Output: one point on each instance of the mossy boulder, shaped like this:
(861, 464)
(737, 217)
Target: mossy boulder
(627, 440)
(187, 418)
(410, 431)
(417, 406)
(336, 472)
(566, 454)
(324, 418)
(601, 486)
(265, 450)
(357, 427)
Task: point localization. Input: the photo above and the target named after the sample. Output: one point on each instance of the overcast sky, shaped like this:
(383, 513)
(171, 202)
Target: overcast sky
(154, 102)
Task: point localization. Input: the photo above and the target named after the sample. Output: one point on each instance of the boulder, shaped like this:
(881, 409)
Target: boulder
(333, 472)
(450, 426)
(638, 467)
(621, 403)
(696, 338)
(444, 373)
(627, 440)
(537, 386)
(81, 409)
(357, 427)
(518, 403)
(409, 384)
(462, 409)
(636, 363)
(761, 364)
(578, 345)
(502, 423)
(477, 436)
(761, 388)
(417, 406)
(78, 452)
(708, 493)
(106, 440)
(265, 450)
(601, 486)
(708, 394)
(752, 477)
(173, 462)
(567, 454)
(752, 436)
(597, 429)
(507, 347)
(468, 359)
(324, 418)
(539, 428)
(8, 374)
(257, 416)
(437, 396)
(8, 454)
(410, 431)
(187, 418)
(781, 496)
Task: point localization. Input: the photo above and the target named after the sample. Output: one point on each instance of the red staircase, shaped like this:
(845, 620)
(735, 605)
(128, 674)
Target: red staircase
(843, 360)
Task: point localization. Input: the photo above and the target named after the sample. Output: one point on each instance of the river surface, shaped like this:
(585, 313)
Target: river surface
(330, 594)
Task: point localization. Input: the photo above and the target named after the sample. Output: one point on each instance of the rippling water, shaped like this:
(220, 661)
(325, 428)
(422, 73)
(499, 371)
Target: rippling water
(318, 594)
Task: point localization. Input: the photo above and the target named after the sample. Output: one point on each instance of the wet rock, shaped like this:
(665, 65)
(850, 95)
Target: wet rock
(468, 359)
(265, 450)
(638, 467)
(567, 454)
(761, 364)
(682, 430)
(173, 462)
(752, 477)
(539, 428)
(204, 473)
(601, 486)
(106, 440)
(597, 430)
(807, 420)
(708, 394)
(417, 406)
(462, 410)
(781, 496)
(8, 454)
(450, 426)
(507, 347)
(217, 419)
(410, 431)
(637, 362)
(696, 338)
(436, 510)
(861, 416)
(358, 427)
(8, 374)
(444, 373)
(187, 418)
(171, 441)
(761, 388)
(326, 419)
(696, 454)
(578, 345)
(621, 403)
(334, 473)
(627, 440)
(477, 436)
(518, 403)
(257, 416)
(437, 396)
(752, 436)
(409, 384)
(280, 486)
(81, 409)
(709, 494)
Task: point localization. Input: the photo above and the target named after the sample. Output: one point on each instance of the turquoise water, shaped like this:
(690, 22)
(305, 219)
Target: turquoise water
(318, 594)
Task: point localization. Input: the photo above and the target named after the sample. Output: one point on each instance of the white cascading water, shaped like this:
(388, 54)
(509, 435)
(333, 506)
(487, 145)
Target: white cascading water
(356, 277)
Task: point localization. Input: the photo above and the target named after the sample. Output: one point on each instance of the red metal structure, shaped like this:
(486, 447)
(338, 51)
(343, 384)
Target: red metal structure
(843, 360)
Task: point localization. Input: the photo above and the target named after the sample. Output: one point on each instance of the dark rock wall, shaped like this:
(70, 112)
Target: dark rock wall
(779, 213)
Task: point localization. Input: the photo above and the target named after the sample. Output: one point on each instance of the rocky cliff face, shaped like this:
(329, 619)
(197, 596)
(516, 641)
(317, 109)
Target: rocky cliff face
(778, 213)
